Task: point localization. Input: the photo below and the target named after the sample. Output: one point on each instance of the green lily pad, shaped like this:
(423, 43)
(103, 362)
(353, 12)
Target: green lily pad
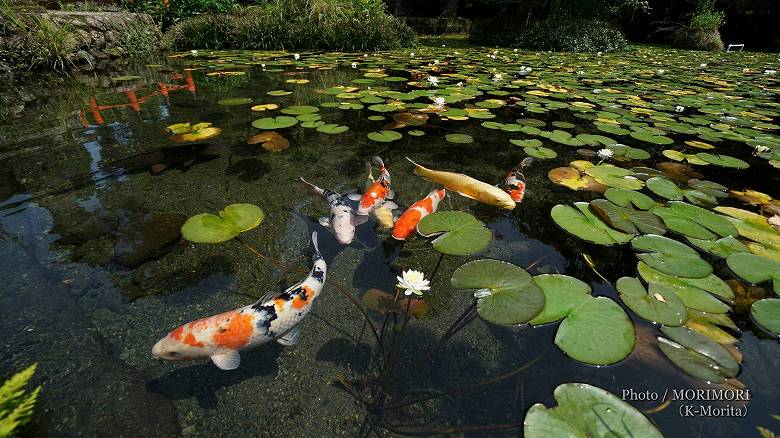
(531, 142)
(752, 226)
(613, 176)
(233, 101)
(664, 188)
(693, 363)
(278, 93)
(540, 152)
(651, 138)
(693, 221)
(595, 330)
(587, 411)
(722, 160)
(210, 228)
(658, 304)
(275, 122)
(300, 109)
(671, 257)
(581, 222)
(463, 233)
(384, 136)
(755, 269)
(459, 138)
(332, 128)
(416, 133)
(723, 247)
(766, 313)
(506, 293)
(627, 219)
(621, 152)
(624, 198)
(703, 345)
(695, 293)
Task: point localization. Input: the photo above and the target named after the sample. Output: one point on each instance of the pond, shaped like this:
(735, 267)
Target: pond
(98, 177)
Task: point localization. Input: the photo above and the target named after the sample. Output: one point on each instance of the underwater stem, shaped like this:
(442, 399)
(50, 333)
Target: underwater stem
(454, 328)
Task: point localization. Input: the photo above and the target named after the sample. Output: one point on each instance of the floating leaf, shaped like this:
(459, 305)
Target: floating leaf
(587, 411)
(755, 269)
(459, 138)
(233, 101)
(693, 363)
(627, 219)
(572, 178)
(275, 122)
(625, 198)
(264, 107)
(660, 304)
(723, 247)
(384, 136)
(705, 346)
(613, 176)
(696, 293)
(197, 132)
(278, 93)
(671, 257)
(562, 294)
(694, 221)
(508, 294)
(463, 233)
(722, 160)
(234, 219)
(664, 188)
(766, 313)
(583, 224)
(332, 128)
(300, 109)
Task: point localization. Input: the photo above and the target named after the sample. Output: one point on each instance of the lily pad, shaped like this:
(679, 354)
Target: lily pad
(332, 128)
(627, 219)
(233, 101)
(463, 233)
(693, 363)
(703, 345)
(624, 198)
(275, 122)
(696, 293)
(300, 109)
(693, 221)
(755, 269)
(723, 247)
(233, 220)
(722, 160)
(586, 411)
(459, 138)
(766, 313)
(507, 293)
(664, 188)
(671, 257)
(384, 136)
(582, 223)
(595, 330)
(659, 304)
(613, 176)
(572, 178)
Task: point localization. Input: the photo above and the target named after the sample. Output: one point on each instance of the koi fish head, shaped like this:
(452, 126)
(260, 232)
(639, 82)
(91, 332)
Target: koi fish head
(516, 191)
(373, 198)
(178, 346)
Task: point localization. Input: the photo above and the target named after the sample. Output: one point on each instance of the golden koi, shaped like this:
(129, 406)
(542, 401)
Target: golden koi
(467, 186)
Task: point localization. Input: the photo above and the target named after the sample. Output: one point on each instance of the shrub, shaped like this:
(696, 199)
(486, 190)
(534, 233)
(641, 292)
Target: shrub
(557, 34)
(702, 31)
(176, 10)
(138, 39)
(38, 40)
(294, 24)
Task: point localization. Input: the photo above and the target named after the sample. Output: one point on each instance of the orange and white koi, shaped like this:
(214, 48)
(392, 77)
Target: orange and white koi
(407, 223)
(514, 183)
(272, 318)
(378, 193)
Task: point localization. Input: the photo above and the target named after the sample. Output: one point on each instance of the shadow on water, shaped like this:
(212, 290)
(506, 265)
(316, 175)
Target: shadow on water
(204, 380)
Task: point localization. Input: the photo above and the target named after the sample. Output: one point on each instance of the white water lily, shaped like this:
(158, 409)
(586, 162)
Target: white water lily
(436, 61)
(770, 72)
(605, 153)
(296, 56)
(413, 282)
(598, 53)
(661, 71)
(679, 108)
(774, 220)
(515, 50)
(438, 101)
(703, 65)
(597, 90)
(525, 70)
(354, 65)
(459, 84)
(497, 77)
(263, 66)
(194, 52)
(760, 149)
(411, 54)
(433, 80)
(443, 45)
(365, 55)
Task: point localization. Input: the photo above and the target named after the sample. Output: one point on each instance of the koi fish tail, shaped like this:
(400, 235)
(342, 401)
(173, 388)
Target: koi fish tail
(378, 161)
(526, 162)
(417, 168)
(316, 246)
(313, 187)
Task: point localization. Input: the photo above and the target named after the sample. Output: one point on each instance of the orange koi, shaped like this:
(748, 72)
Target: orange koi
(378, 192)
(514, 183)
(407, 223)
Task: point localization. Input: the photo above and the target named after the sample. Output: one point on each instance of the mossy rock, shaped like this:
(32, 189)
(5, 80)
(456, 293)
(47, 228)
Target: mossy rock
(687, 37)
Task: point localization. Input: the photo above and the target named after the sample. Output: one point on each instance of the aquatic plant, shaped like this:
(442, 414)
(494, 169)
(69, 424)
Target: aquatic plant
(42, 42)
(16, 404)
(233, 220)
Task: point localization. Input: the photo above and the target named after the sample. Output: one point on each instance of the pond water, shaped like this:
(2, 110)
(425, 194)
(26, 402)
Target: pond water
(93, 193)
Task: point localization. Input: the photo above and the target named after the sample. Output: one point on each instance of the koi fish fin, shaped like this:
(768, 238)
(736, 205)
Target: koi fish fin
(354, 196)
(359, 220)
(229, 360)
(324, 221)
(390, 205)
(417, 167)
(315, 243)
(465, 195)
(291, 337)
(378, 161)
(391, 195)
(313, 187)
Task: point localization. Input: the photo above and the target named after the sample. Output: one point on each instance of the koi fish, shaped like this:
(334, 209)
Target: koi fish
(272, 318)
(467, 186)
(514, 183)
(407, 223)
(342, 217)
(378, 193)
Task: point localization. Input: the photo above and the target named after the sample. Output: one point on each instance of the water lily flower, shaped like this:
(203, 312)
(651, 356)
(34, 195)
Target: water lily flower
(598, 53)
(774, 220)
(365, 55)
(354, 65)
(497, 77)
(760, 149)
(525, 70)
(297, 56)
(443, 45)
(263, 66)
(580, 72)
(597, 90)
(679, 108)
(438, 101)
(413, 282)
(459, 84)
(194, 52)
(433, 80)
(435, 61)
(703, 65)
(515, 50)
(605, 153)
(411, 54)
(770, 72)
(661, 71)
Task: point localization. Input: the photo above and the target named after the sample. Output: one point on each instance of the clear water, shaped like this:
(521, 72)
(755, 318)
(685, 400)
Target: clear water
(94, 271)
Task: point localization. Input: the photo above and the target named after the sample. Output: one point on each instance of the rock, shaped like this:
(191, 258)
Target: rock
(98, 252)
(148, 239)
(82, 227)
(83, 60)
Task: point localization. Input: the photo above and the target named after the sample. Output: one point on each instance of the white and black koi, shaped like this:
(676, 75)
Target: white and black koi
(271, 318)
(343, 219)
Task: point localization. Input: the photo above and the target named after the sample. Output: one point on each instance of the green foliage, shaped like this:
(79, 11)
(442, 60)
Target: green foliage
(177, 10)
(294, 24)
(138, 39)
(40, 41)
(16, 404)
(706, 17)
(557, 34)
